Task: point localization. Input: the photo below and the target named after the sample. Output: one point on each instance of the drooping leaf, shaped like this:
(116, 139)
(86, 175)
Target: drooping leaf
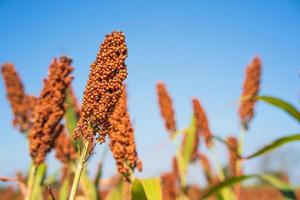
(274, 145)
(287, 107)
(146, 189)
(222, 185)
(284, 188)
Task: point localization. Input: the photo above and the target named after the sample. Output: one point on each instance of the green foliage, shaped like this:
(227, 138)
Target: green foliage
(88, 186)
(116, 193)
(274, 145)
(38, 182)
(284, 188)
(189, 141)
(64, 189)
(146, 189)
(283, 105)
(71, 119)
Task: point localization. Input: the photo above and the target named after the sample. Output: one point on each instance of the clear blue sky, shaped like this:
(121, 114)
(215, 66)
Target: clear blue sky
(198, 48)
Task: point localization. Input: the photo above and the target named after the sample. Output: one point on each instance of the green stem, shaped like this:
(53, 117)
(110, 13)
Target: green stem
(80, 166)
(30, 182)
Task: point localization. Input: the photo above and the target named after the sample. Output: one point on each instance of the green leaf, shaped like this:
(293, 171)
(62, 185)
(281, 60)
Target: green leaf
(64, 189)
(189, 141)
(185, 150)
(116, 193)
(284, 188)
(274, 145)
(227, 183)
(287, 107)
(71, 118)
(88, 186)
(146, 189)
(38, 183)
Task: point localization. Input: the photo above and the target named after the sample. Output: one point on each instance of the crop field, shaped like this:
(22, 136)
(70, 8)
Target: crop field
(54, 121)
(65, 133)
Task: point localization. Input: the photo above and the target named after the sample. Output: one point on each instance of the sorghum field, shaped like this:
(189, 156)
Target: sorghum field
(74, 128)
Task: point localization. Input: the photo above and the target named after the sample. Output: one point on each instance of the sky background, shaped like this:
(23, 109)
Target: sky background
(198, 48)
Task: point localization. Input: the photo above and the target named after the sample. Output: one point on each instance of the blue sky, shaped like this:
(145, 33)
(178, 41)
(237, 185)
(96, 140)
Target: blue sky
(198, 48)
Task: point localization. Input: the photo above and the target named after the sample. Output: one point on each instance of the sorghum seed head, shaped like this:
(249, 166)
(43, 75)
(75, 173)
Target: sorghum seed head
(121, 136)
(104, 88)
(168, 186)
(49, 110)
(250, 91)
(21, 103)
(208, 170)
(166, 107)
(233, 155)
(201, 121)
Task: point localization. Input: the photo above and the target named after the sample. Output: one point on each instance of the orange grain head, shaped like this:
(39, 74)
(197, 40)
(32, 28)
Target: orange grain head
(233, 155)
(122, 143)
(250, 91)
(104, 88)
(168, 186)
(166, 107)
(202, 125)
(22, 104)
(207, 168)
(49, 110)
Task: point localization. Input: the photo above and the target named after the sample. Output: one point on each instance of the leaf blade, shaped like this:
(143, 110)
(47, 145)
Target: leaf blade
(147, 189)
(274, 145)
(282, 104)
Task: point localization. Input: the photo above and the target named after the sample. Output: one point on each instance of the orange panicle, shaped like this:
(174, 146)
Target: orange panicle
(250, 91)
(104, 88)
(169, 185)
(208, 170)
(122, 142)
(49, 110)
(166, 107)
(233, 155)
(202, 125)
(22, 104)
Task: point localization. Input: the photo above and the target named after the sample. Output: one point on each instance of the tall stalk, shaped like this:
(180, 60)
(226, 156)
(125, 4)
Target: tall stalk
(30, 182)
(81, 164)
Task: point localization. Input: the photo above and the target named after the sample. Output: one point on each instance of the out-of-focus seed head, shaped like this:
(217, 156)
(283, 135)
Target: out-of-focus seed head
(49, 110)
(175, 169)
(166, 107)
(208, 170)
(168, 186)
(64, 149)
(202, 126)
(250, 91)
(22, 104)
(104, 88)
(122, 142)
(233, 155)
